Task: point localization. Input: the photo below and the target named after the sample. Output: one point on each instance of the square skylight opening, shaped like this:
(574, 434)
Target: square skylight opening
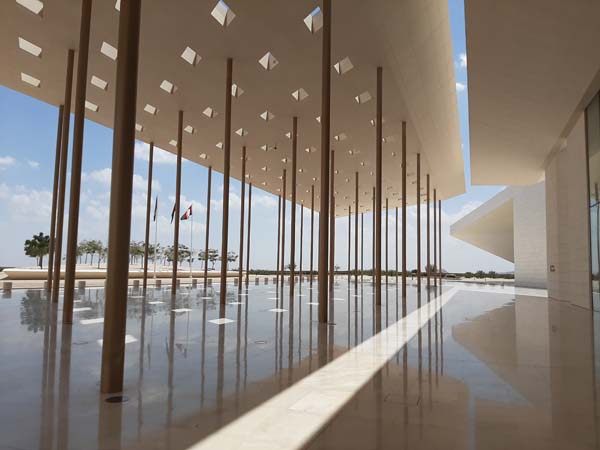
(30, 47)
(241, 132)
(267, 115)
(190, 56)
(168, 87)
(33, 81)
(99, 82)
(91, 106)
(267, 148)
(219, 145)
(318, 119)
(265, 168)
(210, 113)
(203, 156)
(34, 6)
(310, 149)
(300, 170)
(314, 21)
(363, 98)
(108, 50)
(150, 109)
(299, 95)
(340, 137)
(344, 66)
(264, 183)
(223, 14)
(284, 160)
(236, 91)
(288, 135)
(173, 142)
(139, 127)
(268, 61)
(189, 129)
(373, 122)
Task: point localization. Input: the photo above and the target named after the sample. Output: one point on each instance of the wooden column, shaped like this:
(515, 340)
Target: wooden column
(373, 226)
(362, 246)
(283, 208)
(76, 160)
(226, 172)
(278, 266)
(349, 239)
(387, 234)
(440, 270)
(378, 181)
(61, 109)
(312, 229)
(117, 273)
(242, 217)
(435, 264)
(62, 185)
(177, 204)
(404, 212)
(294, 205)
(301, 237)
(418, 203)
(428, 239)
(206, 237)
(325, 149)
(356, 208)
(148, 208)
(332, 222)
(396, 244)
(248, 236)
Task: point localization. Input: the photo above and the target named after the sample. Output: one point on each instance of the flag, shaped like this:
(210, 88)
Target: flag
(187, 213)
(155, 209)
(173, 212)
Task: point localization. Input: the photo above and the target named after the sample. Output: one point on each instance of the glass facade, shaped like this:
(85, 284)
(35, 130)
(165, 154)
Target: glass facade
(593, 148)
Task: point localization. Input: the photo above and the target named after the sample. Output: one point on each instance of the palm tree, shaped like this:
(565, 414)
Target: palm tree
(37, 247)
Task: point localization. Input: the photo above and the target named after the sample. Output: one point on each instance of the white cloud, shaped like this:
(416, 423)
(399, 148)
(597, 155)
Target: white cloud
(460, 87)
(26, 204)
(6, 161)
(103, 177)
(462, 60)
(265, 201)
(142, 152)
(33, 164)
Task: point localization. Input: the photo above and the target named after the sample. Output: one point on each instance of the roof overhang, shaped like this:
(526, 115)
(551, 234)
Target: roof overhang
(533, 66)
(410, 40)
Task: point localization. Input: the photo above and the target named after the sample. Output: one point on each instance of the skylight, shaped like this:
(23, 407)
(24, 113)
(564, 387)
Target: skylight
(91, 106)
(268, 61)
(210, 113)
(223, 14)
(236, 91)
(190, 56)
(173, 142)
(35, 6)
(30, 47)
(299, 94)
(99, 82)
(241, 132)
(344, 66)
(267, 115)
(150, 109)
(139, 127)
(168, 87)
(363, 98)
(314, 21)
(108, 50)
(189, 129)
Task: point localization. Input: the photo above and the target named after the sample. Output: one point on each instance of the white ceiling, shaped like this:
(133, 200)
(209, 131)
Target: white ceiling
(409, 39)
(532, 66)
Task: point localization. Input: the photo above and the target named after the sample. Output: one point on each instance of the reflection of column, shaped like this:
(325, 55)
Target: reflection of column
(242, 205)
(312, 229)
(76, 151)
(332, 222)
(418, 222)
(387, 235)
(294, 205)
(349, 240)
(54, 197)
(325, 154)
(428, 239)
(440, 270)
(278, 267)
(435, 264)
(356, 207)
(283, 205)
(64, 387)
(177, 204)
(226, 171)
(301, 237)
(248, 243)
(60, 205)
(119, 232)
(362, 246)
(378, 170)
(148, 207)
(404, 216)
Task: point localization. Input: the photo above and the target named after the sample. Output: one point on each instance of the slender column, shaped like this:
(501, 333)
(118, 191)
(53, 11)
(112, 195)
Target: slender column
(378, 170)
(428, 239)
(113, 348)
(60, 213)
(349, 239)
(440, 270)
(387, 234)
(54, 197)
(332, 222)
(207, 227)
(278, 267)
(312, 229)
(148, 208)
(177, 204)
(294, 206)
(435, 264)
(283, 208)
(248, 236)
(374, 225)
(396, 244)
(301, 237)
(404, 212)
(77, 154)
(226, 170)
(325, 130)
(362, 246)
(356, 228)
(242, 217)
(418, 203)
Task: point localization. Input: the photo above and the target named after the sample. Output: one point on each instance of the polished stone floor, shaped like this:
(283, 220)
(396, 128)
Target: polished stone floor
(463, 367)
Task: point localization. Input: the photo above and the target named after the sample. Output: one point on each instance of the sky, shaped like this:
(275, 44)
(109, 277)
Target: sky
(26, 176)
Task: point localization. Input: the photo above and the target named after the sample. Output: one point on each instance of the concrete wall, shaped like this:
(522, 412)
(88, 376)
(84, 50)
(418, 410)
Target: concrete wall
(529, 215)
(567, 223)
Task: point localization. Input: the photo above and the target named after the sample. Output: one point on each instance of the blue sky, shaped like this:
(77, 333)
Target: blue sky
(26, 171)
